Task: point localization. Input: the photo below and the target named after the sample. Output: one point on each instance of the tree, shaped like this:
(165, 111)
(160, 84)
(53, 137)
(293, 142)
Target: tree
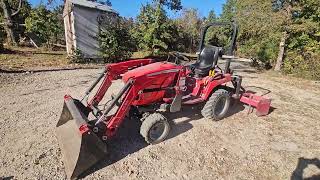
(2, 34)
(302, 53)
(212, 16)
(8, 22)
(282, 33)
(19, 18)
(116, 43)
(285, 8)
(190, 23)
(153, 29)
(221, 36)
(171, 4)
(216, 36)
(228, 10)
(106, 2)
(45, 24)
(259, 30)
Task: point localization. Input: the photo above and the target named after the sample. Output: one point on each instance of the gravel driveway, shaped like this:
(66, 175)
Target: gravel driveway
(241, 146)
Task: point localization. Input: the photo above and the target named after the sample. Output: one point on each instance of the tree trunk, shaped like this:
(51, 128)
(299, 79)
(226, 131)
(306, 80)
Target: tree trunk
(191, 45)
(282, 45)
(8, 24)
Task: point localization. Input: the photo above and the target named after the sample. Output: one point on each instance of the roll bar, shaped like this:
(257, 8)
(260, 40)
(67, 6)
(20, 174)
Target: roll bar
(221, 24)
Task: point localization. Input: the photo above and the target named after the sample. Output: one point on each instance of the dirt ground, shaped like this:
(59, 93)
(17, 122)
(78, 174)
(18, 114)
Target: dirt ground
(283, 145)
(24, 59)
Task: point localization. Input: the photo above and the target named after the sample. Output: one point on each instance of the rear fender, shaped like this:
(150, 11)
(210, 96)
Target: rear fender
(213, 84)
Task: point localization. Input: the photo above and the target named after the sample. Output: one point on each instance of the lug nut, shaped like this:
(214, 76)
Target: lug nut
(104, 138)
(95, 129)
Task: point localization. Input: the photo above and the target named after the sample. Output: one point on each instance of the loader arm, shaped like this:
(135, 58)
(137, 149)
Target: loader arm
(80, 144)
(113, 72)
(129, 93)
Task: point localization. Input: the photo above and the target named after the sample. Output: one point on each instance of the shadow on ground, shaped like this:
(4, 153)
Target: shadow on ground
(303, 164)
(126, 142)
(128, 139)
(7, 178)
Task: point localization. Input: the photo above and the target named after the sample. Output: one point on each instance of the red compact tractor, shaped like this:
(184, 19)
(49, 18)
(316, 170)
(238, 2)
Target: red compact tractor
(150, 89)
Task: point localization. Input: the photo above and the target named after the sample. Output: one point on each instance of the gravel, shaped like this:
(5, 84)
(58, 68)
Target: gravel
(241, 146)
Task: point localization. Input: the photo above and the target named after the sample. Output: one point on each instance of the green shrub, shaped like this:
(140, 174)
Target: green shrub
(116, 43)
(264, 50)
(153, 30)
(44, 23)
(78, 57)
(303, 64)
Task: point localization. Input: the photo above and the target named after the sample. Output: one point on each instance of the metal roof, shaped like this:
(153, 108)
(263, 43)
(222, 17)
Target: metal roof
(93, 5)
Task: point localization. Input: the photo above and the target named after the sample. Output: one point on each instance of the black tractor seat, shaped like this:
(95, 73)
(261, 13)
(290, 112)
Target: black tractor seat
(207, 59)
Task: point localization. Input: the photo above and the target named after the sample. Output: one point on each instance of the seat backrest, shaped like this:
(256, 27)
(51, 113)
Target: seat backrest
(208, 57)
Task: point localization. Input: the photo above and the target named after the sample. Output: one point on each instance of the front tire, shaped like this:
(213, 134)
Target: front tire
(155, 128)
(217, 106)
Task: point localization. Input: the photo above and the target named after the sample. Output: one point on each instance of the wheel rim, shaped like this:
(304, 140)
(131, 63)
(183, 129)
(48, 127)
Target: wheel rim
(156, 131)
(221, 106)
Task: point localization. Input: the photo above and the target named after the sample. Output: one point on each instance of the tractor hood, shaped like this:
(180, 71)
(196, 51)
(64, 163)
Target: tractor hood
(151, 69)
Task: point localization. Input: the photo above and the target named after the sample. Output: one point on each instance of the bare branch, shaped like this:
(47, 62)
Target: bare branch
(17, 11)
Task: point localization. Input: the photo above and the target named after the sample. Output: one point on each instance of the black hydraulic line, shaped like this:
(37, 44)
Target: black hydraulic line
(239, 82)
(233, 40)
(96, 82)
(215, 57)
(116, 99)
(227, 68)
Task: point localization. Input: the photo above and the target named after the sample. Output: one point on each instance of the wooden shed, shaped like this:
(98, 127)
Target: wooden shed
(82, 20)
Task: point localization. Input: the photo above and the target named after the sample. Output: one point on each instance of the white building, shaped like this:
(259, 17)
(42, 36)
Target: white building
(81, 23)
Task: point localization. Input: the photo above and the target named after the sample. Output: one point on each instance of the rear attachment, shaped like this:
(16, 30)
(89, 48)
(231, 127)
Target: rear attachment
(81, 148)
(261, 104)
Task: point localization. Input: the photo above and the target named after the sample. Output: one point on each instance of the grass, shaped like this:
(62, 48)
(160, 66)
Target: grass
(30, 58)
(141, 54)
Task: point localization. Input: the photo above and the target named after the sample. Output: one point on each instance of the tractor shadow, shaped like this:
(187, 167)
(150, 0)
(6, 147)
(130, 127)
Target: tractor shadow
(180, 121)
(7, 178)
(254, 89)
(303, 164)
(128, 139)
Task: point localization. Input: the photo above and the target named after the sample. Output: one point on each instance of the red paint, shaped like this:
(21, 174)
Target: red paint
(113, 72)
(151, 80)
(84, 129)
(153, 69)
(262, 104)
(67, 97)
(213, 82)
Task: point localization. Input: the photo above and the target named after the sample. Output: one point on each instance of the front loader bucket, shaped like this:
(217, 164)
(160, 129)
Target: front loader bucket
(81, 148)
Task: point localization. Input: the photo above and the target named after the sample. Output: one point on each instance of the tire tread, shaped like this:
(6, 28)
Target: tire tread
(148, 123)
(207, 110)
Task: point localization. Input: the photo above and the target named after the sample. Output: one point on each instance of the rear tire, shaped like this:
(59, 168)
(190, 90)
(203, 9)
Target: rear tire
(217, 105)
(155, 128)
